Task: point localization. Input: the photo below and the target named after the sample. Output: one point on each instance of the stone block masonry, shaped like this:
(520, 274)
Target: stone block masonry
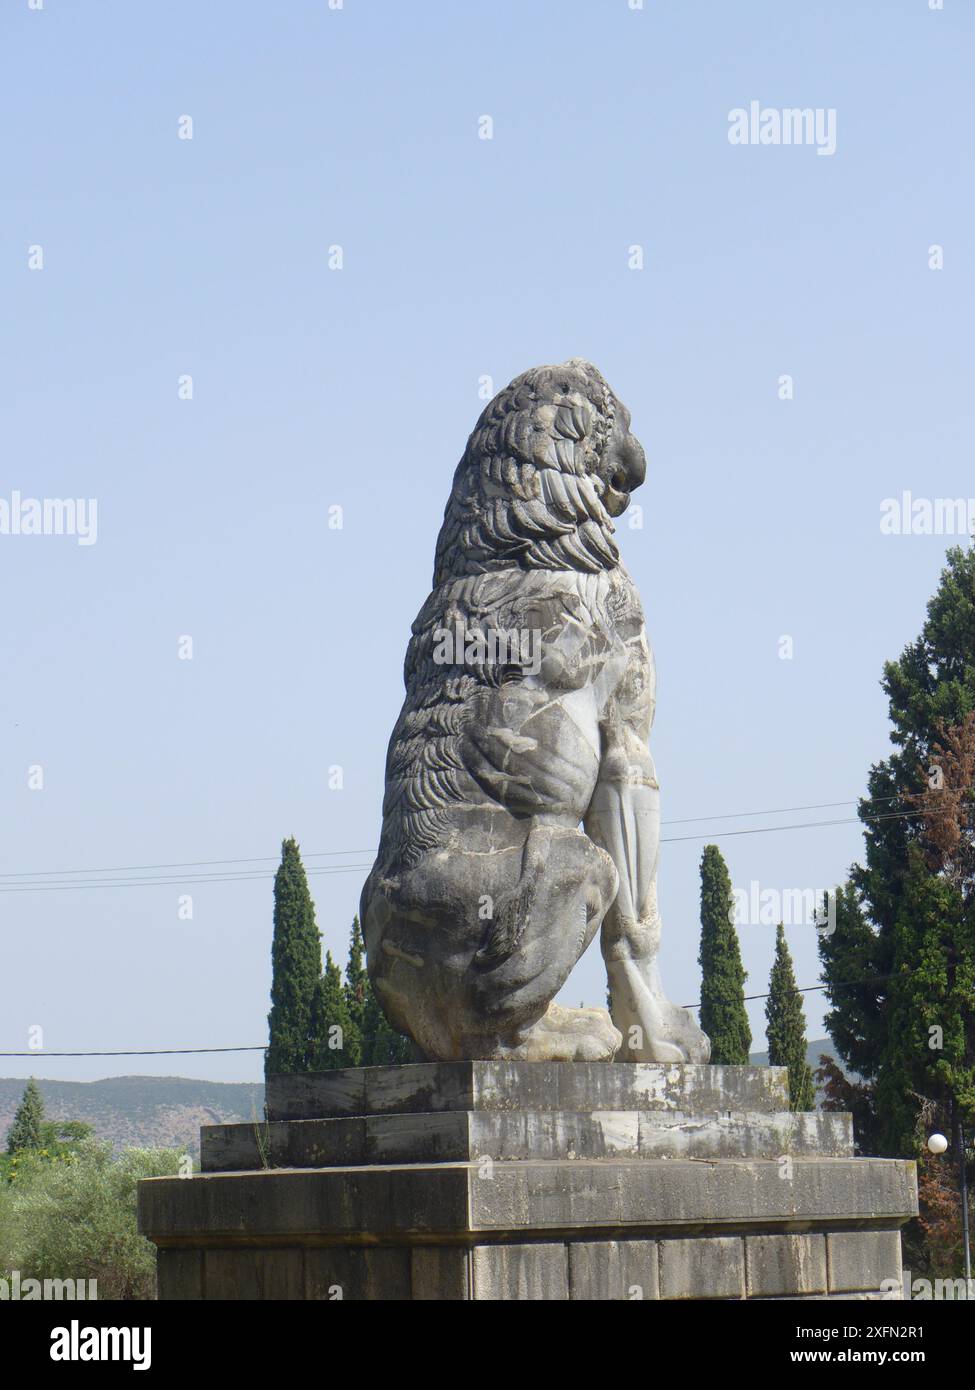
(518, 1180)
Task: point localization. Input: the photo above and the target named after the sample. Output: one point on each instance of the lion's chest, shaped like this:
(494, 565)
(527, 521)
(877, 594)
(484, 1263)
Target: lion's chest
(538, 743)
(614, 675)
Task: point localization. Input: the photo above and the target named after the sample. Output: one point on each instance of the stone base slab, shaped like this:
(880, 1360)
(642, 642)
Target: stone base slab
(709, 1267)
(419, 1202)
(458, 1136)
(488, 1180)
(424, 1087)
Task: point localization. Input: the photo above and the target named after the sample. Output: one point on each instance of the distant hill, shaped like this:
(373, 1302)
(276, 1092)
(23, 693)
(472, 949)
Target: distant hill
(814, 1051)
(140, 1111)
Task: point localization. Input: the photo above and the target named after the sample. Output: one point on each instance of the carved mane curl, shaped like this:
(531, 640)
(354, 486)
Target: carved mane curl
(524, 493)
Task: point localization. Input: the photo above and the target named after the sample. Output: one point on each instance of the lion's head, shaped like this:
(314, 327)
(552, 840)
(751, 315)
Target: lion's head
(549, 463)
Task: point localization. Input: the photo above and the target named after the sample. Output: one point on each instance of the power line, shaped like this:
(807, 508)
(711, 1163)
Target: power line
(758, 830)
(182, 864)
(150, 1052)
(246, 875)
(808, 989)
(173, 1051)
(802, 825)
(338, 853)
(772, 811)
(186, 880)
(251, 875)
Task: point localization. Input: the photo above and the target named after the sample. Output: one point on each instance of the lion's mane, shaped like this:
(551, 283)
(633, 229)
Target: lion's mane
(524, 491)
(525, 499)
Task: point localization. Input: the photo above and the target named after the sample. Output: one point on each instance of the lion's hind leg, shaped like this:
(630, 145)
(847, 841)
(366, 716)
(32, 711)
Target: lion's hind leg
(537, 932)
(468, 950)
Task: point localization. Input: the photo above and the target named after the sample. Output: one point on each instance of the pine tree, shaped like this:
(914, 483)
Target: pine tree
(853, 1097)
(330, 1025)
(26, 1130)
(930, 1050)
(899, 968)
(723, 1015)
(786, 1027)
(296, 963)
(855, 967)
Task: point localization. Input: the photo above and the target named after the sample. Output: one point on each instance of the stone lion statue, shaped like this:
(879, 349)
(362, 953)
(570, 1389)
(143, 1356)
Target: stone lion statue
(521, 814)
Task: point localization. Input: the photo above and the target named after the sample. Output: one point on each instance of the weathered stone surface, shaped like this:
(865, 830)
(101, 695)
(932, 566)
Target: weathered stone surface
(530, 693)
(862, 1259)
(702, 1268)
(515, 1086)
(613, 1269)
(871, 1296)
(253, 1274)
(358, 1273)
(283, 1144)
(460, 1136)
(536, 1195)
(630, 1193)
(520, 1272)
(288, 1204)
(441, 1273)
(785, 1264)
(452, 1201)
(735, 1135)
(179, 1274)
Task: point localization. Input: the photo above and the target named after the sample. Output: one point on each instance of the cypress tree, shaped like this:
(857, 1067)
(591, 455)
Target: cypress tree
(330, 1025)
(723, 1014)
(357, 979)
(786, 1027)
(382, 1046)
(26, 1130)
(296, 963)
(375, 1041)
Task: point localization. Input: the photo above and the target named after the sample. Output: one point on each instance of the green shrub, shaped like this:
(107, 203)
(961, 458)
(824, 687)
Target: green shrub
(76, 1218)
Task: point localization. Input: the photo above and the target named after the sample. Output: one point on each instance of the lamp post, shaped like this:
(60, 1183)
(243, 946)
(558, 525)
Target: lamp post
(938, 1144)
(964, 1206)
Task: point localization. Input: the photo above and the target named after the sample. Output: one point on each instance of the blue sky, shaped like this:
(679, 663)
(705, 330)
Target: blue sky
(315, 388)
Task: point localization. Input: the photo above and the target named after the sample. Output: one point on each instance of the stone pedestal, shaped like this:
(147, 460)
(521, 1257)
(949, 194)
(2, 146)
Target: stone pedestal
(546, 1180)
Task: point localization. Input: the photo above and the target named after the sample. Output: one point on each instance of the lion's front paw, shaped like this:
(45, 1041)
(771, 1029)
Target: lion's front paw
(670, 1035)
(569, 1035)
